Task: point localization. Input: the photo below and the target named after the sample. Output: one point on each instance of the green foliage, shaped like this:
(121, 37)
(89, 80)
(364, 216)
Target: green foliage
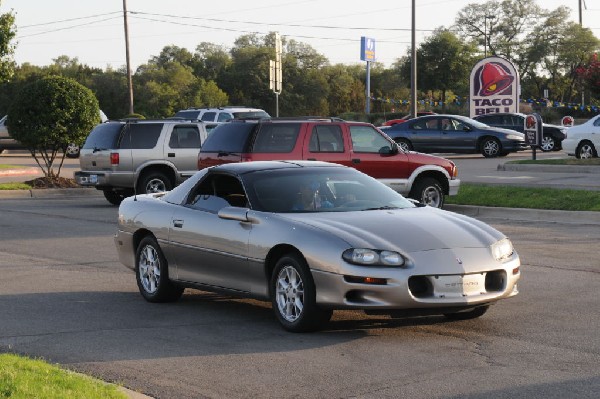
(7, 34)
(21, 378)
(50, 113)
(526, 197)
(134, 116)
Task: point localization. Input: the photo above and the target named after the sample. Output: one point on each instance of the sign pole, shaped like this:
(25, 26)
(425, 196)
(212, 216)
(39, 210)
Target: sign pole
(368, 102)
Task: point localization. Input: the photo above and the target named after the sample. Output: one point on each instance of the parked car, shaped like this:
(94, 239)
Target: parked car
(360, 145)
(122, 157)
(222, 114)
(552, 135)
(234, 228)
(583, 140)
(455, 133)
(8, 143)
(393, 122)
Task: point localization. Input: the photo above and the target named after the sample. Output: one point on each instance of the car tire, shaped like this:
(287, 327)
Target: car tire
(468, 315)
(293, 296)
(490, 147)
(152, 273)
(114, 197)
(72, 151)
(586, 150)
(153, 182)
(428, 191)
(404, 145)
(548, 144)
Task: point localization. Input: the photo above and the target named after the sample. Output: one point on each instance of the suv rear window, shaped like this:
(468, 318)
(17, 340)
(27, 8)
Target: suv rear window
(250, 114)
(188, 114)
(104, 135)
(141, 136)
(231, 137)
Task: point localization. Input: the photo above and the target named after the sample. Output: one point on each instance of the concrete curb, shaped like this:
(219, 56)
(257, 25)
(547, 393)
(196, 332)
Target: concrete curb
(528, 215)
(49, 193)
(515, 167)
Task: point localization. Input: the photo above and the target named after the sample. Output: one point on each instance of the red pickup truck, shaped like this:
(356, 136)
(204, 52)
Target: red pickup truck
(423, 177)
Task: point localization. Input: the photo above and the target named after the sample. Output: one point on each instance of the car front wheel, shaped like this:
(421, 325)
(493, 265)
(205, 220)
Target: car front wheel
(490, 147)
(152, 273)
(429, 192)
(293, 296)
(72, 151)
(586, 150)
(548, 144)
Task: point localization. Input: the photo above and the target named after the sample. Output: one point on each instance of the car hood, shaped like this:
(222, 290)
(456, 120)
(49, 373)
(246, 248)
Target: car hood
(410, 229)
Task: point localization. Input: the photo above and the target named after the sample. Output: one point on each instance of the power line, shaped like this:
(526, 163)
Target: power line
(69, 27)
(68, 20)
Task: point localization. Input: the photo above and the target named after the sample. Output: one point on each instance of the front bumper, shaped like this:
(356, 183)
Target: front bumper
(438, 284)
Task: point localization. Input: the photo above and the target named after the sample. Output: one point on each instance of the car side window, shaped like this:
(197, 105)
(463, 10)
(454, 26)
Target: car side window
(217, 191)
(276, 138)
(224, 117)
(597, 122)
(367, 139)
(428, 124)
(185, 137)
(208, 116)
(141, 136)
(326, 138)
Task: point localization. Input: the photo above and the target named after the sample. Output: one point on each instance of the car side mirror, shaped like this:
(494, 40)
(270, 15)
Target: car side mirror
(385, 150)
(235, 213)
(467, 129)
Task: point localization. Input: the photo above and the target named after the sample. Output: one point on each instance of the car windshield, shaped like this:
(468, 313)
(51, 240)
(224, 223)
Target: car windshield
(472, 122)
(250, 114)
(319, 189)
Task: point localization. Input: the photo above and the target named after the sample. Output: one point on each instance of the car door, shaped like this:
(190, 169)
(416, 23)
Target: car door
(372, 154)
(208, 249)
(425, 134)
(457, 136)
(325, 142)
(182, 147)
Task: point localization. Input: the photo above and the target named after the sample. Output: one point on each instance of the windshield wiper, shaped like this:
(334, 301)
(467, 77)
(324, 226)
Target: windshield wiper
(222, 153)
(381, 208)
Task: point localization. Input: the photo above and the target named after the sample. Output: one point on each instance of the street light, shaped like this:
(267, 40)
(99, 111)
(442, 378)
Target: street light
(485, 37)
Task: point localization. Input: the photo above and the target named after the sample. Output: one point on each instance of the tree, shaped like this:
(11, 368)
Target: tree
(444, 63)
(590, 74)
(50, 113)
(7, 34)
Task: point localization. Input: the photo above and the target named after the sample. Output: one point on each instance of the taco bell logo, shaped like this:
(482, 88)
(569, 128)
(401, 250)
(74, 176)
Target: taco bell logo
(494, 85)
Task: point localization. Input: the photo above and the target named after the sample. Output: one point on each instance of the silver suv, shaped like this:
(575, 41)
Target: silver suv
(222, 114)
(143, 156)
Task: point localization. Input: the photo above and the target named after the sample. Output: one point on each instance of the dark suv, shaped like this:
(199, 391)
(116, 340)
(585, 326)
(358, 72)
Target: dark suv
(552, 135)
(146, 156)
(426, 178)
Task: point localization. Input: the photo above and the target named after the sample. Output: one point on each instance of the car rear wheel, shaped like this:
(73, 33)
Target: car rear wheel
(548, 144)
(293, 296)
(404, 145)
(154, 182)
(428, 191)
(468, 315)
(586, 150)
(490, 147)
(152, 273)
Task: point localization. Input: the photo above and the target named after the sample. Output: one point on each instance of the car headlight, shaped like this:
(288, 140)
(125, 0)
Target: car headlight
(502, 249)
(373, 257)
(514, 137)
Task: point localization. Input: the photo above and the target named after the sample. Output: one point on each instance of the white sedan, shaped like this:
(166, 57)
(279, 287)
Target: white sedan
(583, 140)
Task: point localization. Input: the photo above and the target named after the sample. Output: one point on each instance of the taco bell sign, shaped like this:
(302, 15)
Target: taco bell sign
(495, 87)
(367, 49)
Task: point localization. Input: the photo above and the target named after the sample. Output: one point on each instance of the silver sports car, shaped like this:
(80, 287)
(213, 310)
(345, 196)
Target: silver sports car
(312, 237)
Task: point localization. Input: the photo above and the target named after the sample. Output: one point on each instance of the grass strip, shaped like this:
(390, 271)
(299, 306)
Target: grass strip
(14, 186)
(22, 377)
(526, 197)
(561, 161)
(4, 166)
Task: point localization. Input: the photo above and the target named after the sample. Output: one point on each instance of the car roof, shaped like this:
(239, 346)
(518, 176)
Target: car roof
(247, 167)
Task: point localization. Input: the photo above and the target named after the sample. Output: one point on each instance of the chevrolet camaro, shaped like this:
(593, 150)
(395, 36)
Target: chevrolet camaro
(312, 237)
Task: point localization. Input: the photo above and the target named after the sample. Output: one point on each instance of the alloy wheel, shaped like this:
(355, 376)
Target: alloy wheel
(149, 266)
(290, 293)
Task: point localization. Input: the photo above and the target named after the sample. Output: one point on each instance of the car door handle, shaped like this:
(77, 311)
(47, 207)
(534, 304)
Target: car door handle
(311, 159)
(178, 223)
(171, 155)
(356, 160)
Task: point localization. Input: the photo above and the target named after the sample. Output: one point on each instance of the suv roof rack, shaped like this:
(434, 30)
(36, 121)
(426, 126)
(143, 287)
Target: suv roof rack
(309, 118)
(173, 118)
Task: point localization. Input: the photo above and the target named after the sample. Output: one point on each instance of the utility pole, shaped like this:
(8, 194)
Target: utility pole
(129, 80)
(413, 66)
(275, 74)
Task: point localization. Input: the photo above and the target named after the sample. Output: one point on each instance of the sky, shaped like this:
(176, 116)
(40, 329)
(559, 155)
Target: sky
(93, 30)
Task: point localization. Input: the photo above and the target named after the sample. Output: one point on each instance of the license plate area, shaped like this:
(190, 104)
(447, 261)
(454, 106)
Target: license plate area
(458, 285)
